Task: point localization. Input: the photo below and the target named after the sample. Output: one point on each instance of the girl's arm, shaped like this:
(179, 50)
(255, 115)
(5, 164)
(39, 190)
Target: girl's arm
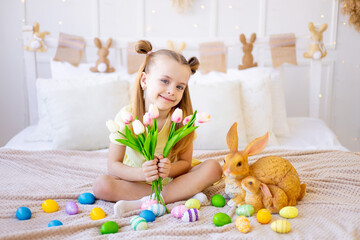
(116, 168)
(181, 166)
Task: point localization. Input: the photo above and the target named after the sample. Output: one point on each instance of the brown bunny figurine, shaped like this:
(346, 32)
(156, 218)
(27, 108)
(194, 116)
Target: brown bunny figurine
(316, 49)
(272, 170)
(38, 42)
(102, 64)
(248, 59)
(260, 195)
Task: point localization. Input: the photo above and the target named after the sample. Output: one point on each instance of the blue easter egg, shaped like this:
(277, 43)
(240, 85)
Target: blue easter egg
(86, 198)
(148, 215)
(23, 213)
(54, 223)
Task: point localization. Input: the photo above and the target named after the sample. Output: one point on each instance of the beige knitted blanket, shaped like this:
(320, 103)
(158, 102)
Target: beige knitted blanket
(329, 210)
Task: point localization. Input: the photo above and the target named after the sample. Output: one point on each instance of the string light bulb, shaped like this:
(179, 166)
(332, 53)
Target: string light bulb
(202, 6)
(322, 16)
(195, 25)
(320, 95)
(237, 27)
(153, 11)
(22, 1)
(148, 28)
(230, 6)
(60, 22)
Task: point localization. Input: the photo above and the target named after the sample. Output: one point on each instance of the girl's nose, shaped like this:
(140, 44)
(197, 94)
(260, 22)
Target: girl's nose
(169, 92)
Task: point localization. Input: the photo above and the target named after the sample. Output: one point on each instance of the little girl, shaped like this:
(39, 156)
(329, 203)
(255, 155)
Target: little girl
(161, 80)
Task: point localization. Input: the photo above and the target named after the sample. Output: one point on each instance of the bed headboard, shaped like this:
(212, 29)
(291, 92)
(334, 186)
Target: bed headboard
(308, 86)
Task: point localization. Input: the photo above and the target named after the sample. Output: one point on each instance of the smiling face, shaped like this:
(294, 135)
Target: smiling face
(164, 83)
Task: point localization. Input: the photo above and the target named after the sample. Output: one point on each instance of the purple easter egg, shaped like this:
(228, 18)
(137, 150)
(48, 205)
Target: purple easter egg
(71, 208)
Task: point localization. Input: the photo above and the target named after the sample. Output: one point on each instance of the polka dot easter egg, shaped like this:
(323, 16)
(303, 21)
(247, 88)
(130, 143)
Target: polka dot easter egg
(288, 212)
(245, 210)
(138, 223)
(191, 215)
(193, 203)
(145, 205)
(97, 213)
(242, 224)
(50, 206)
(157, 209)
(178, 211)
(281, 226)
(263, 216)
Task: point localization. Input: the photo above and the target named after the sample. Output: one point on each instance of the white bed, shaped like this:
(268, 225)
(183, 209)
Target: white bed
(306, 134)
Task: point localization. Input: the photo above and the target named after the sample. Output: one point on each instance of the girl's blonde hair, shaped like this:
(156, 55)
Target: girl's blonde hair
(138, 103)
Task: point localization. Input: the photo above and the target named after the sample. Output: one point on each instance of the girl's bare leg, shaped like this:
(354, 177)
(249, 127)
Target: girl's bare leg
(196, 180)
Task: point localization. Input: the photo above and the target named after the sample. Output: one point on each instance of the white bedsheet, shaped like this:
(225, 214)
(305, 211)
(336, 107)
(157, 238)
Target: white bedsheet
(306, 134)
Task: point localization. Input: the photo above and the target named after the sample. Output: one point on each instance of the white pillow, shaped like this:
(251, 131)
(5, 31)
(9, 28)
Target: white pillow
(78, 114)
(43, 131)
(256, 106)
(279, 115)
(222, 100)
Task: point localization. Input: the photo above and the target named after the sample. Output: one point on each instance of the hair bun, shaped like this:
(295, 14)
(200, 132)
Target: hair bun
(194, 64)
(143, 46)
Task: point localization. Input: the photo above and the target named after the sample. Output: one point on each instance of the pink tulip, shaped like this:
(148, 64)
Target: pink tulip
(127, 117)
(153, 111)
(187, 119)
(202, 117)
(147, 120)
(177, 115)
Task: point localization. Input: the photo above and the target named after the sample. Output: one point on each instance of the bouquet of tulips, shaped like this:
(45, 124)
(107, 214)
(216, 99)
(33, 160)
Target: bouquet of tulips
(143, 138)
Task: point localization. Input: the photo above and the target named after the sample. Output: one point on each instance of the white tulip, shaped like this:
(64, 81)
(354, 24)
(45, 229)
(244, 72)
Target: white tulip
(112, 126)
(138, 127)
(154, 111)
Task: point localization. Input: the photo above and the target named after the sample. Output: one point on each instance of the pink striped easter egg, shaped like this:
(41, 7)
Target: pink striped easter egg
(145, 205)
(178, 211)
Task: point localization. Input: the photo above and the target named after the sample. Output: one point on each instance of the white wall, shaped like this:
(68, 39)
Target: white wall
(224, 19)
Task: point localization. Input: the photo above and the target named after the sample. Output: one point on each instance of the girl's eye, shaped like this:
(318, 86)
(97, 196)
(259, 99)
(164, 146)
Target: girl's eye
(165, 81)
(180, 87)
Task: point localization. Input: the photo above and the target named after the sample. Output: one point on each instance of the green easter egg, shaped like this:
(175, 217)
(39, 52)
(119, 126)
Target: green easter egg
(221, 219)
(218, 200)
(245, 210)
(109, 227)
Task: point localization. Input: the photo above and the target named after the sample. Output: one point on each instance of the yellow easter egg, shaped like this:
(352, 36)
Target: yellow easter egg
(97, 213)
(281, 226)
(242, 224)
(263, 216)
(193, 203)
(50, 206)
(288, 212)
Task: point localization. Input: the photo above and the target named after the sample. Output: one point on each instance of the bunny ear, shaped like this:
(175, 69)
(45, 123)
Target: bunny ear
(311, 26)
(257, 145)
(36, 27)
(253, 38)
(232, 138)
(181, 47)
(323, 27)
(97, 42)
(108, 43)
(243, 38)
(170, 45)
(265, 189)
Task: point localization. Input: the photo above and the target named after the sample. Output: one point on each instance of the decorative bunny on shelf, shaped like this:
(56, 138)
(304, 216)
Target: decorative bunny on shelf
(260, 195)
(170, 46)
(103, 63)
(248, 59)
(38, 42)
(272, 170)
(316, 49)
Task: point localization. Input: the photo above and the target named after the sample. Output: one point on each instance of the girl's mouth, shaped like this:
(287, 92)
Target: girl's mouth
(167, 99)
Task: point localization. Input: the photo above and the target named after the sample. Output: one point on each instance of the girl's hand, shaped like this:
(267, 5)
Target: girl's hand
(164, 166)
(150, 170)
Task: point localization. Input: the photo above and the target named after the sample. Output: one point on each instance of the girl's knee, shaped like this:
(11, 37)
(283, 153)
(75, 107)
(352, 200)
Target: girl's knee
(103, 186)
(214, 170)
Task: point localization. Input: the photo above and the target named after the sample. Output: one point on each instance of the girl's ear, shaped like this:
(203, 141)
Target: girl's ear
(143, 81)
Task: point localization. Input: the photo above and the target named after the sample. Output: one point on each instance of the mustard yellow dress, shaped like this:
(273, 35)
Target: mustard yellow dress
(135, 159)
